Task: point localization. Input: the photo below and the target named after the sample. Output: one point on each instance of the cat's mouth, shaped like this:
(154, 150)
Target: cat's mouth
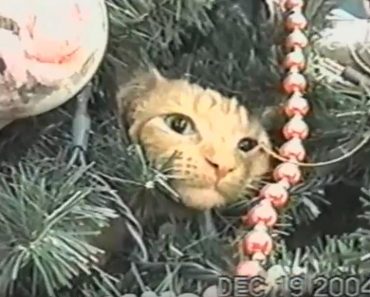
(219, 186)
(202, 198)
(211, 193)
(218, 181)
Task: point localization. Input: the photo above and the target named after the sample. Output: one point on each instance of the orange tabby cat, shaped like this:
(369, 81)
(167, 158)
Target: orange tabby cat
(212, 141)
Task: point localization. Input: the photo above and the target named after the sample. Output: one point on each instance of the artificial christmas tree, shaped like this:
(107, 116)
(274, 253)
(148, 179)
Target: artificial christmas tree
(56, 196)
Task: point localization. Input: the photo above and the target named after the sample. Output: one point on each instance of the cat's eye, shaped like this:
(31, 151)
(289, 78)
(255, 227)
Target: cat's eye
(180, 123)
(246, 144)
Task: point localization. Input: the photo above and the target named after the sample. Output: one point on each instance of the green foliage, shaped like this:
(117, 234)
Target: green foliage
(51, 209)
(154, 28)
(49, 213)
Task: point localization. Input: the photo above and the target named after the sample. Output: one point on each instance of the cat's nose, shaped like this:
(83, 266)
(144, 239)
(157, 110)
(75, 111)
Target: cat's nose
(221, 169)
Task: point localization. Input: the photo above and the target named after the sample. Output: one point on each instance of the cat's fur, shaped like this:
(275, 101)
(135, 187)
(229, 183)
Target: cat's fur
(220, 123)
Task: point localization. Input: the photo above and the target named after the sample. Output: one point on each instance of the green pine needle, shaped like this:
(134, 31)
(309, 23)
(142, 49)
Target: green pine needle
(47, 216)
(50, 210)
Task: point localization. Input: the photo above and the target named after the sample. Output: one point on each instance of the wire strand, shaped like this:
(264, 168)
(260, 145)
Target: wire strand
(361, 144)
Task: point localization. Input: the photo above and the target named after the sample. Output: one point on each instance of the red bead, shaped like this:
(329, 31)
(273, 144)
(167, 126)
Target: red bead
(257, 242)
(296, 105)
(289, 172)
(249, 269)
(296, 20)
(296, 128)
(295, 59)
(293, 150)
(262, 213)
(296, 39)
(294, 82)
(293, 4)
(276, 193)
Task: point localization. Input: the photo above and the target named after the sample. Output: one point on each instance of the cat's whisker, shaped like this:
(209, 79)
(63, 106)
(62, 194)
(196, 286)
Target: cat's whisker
(169, 189)
(167, 171)
(198, 116)
(177, 177)
(249, 189)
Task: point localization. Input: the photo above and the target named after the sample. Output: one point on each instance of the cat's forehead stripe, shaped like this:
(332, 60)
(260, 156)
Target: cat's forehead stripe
(213, 104)
(233, 105)
(208, 99)
(205, 100)
(203, 103)
(224, 116)
(243, 116)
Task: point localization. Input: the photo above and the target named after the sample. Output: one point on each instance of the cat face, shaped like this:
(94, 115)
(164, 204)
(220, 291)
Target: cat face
(212, 142)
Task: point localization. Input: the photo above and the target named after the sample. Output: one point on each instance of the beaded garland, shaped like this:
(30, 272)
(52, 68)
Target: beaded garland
(258, 244)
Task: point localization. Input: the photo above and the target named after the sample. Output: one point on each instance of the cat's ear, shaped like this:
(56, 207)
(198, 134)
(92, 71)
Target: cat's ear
(131, 94)
(147, 80)
(272, 118)
(156, 75)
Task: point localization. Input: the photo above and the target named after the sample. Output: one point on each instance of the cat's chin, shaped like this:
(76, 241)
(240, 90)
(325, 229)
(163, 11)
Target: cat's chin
(200, 198)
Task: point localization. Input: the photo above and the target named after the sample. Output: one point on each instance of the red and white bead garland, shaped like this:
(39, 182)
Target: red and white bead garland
(258, 244)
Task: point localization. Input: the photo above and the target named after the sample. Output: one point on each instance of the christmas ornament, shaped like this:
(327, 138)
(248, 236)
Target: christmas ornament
(347, 32)
(49, 50)
(257, 245)
(342, 49)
